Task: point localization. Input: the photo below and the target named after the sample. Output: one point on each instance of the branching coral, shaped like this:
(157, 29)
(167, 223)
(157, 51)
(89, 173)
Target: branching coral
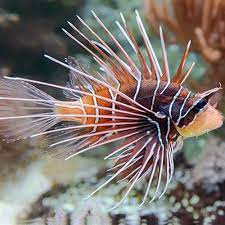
(202, 21)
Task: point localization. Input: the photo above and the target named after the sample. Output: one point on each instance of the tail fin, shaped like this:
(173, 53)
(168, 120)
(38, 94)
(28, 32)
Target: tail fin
(24, 110)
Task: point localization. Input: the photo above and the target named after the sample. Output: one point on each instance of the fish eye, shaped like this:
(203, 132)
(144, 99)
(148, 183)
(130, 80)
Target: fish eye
(201, 104)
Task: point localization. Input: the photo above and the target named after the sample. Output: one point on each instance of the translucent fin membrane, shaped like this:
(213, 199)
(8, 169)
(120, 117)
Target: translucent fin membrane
(37, 111)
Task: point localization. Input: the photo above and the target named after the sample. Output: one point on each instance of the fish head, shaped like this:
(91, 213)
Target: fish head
(201, 116)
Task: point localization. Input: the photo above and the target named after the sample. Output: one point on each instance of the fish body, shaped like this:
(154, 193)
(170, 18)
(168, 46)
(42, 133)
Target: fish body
(184, 126)
(140, 107)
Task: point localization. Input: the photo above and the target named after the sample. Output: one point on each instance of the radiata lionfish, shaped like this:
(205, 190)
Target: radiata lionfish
(139, 106)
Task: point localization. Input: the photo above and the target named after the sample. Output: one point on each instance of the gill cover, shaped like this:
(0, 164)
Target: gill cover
(206, 118)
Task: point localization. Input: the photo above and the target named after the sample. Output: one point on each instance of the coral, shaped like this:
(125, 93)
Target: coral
(90, 214)
(60, 218)
(202, 21)
(195, 207)
(191, 203)
(71, 199)
(184, 204)
(211, 165)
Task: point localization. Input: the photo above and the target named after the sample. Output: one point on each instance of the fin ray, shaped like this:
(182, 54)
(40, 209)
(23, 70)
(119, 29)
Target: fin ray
(32, 116)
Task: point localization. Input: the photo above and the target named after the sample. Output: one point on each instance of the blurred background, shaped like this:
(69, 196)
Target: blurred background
(38, 189)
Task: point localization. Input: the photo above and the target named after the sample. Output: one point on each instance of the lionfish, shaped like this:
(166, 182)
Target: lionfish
(137, 105)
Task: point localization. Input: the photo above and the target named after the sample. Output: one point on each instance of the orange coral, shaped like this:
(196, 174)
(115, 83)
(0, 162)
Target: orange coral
(202, 21)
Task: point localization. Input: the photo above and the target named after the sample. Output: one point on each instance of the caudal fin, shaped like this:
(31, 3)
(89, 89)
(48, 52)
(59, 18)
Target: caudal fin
(24, 110)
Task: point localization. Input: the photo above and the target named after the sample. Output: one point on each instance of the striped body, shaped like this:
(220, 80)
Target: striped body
(176, 102)
(145, 97)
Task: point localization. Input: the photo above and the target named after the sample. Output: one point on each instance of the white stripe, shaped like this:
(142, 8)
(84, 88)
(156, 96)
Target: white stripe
(169, 169)
(182, 107)
(168, 130)
(186, 75)
(101, 46)
(128, 166)
(118, 165)
(96, 110)
(83, 109)
(159, 132)
(139, 178)
(155, 92)
(137, 89)
(130, 174)
(174, 99)
(125, 146)
(117, 157)
(166, 86)
(114, 97)
(167, 173)
(171, 162)
(152, 174)
(118, 172)
(159, 177)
